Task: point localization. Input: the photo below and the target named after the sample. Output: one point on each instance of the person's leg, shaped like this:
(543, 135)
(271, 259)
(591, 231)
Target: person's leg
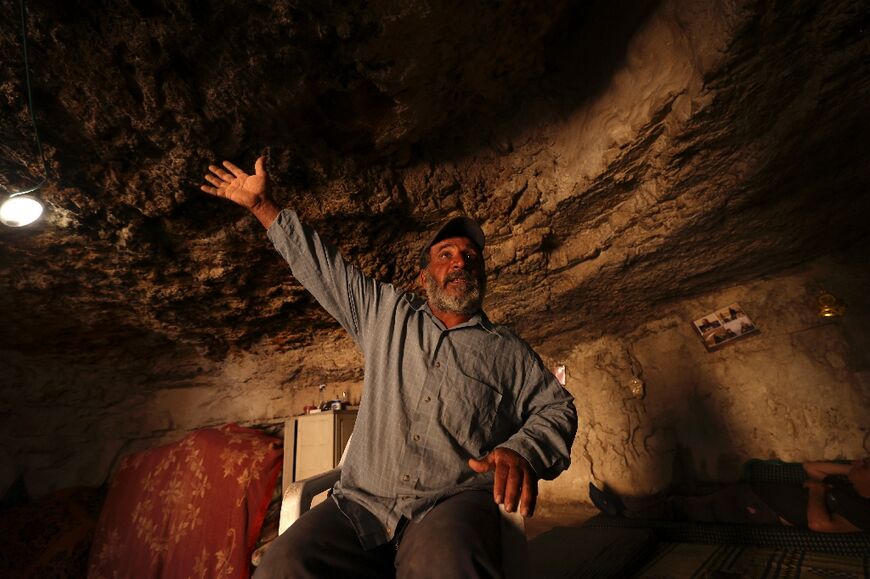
(733, 503)
(736, 503)
(657, 507)
(459, 538)
(322, 543)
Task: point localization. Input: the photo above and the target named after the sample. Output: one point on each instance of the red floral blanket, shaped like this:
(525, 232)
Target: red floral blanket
(188, 509)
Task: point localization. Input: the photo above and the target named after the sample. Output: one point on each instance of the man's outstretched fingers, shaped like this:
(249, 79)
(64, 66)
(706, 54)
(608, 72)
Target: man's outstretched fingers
(479, 466)
(233, 169)
(501, 479)
(223, 175)
(512, 490)
(530, 495)
(260, 166)
(514, 481)
(214, 181)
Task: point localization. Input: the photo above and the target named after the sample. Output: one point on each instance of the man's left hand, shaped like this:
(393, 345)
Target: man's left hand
(514, 479)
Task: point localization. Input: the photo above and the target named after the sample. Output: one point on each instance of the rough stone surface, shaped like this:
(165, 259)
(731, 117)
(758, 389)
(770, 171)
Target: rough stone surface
(622, 157)
(74, 416)
(798, 388)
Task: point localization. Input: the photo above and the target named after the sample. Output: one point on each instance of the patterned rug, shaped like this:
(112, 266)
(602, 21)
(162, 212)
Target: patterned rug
(688, 560)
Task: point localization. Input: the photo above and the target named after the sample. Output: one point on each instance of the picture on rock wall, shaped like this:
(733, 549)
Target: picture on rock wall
(723, 326)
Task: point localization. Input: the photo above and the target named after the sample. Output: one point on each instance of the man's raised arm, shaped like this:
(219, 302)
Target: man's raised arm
(343, 291)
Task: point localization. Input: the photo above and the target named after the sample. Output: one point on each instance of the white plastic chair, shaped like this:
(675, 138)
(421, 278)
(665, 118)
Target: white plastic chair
(299, 495)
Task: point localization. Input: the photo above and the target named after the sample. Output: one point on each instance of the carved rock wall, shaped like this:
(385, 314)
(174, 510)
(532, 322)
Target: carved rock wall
(73, 416)
(626, 159)
(798, 389)
(602, 145)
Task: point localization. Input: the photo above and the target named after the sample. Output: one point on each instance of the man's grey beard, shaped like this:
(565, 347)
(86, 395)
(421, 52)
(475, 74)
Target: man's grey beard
(465, 303)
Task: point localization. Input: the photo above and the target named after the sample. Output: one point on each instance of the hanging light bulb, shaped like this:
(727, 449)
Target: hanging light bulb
(20, 210)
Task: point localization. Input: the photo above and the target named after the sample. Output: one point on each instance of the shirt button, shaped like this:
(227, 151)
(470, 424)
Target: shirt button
(406, 478)
(437, 364)
(428, 399)
(389, 530)
(416, 437)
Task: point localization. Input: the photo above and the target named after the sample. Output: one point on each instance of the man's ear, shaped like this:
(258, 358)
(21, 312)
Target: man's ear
(421, 282)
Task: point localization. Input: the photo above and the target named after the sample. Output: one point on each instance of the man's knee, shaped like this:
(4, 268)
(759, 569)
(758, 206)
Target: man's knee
(460, 537)
(291, 554)
(323, 543)
(452, 555)
(304, 549)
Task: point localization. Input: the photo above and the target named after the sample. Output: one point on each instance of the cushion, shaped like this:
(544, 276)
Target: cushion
(192, 508)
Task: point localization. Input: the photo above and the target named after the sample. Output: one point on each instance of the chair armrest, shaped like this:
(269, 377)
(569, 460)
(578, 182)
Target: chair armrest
(298, 496)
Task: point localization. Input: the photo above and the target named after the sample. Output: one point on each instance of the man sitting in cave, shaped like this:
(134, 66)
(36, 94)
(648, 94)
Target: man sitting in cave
(835, 498)
(456, 411)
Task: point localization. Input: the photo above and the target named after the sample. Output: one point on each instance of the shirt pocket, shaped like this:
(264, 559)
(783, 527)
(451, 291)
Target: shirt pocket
(469, 411)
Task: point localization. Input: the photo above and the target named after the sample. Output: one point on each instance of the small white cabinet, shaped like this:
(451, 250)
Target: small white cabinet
(313, 443)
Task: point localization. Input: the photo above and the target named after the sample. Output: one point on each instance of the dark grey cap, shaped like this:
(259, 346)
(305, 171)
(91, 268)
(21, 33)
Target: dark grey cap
(456, 227)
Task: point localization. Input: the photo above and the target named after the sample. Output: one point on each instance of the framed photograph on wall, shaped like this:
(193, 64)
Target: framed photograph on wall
(723, 326)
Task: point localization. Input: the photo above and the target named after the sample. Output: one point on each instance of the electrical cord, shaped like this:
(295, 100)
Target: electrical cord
(30, 105)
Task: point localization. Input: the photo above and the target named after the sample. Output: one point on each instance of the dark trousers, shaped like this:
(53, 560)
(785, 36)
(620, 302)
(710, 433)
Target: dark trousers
(460, 537)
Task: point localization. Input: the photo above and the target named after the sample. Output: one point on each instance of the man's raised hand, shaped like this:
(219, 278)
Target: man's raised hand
(514, 479)
(251, 191)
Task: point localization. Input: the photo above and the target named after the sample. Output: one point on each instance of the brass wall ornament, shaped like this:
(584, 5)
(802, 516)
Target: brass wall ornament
(830, 306)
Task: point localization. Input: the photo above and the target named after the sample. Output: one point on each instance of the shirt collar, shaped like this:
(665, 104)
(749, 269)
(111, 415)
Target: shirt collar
(478, 319)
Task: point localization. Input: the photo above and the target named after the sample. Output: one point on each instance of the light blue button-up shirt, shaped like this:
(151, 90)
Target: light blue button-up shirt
(433, 397)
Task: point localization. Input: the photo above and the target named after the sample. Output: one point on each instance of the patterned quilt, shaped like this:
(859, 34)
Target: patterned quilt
(190, 509)
(689, 560)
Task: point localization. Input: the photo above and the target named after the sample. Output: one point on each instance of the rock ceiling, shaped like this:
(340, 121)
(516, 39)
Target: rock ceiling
(618, 154)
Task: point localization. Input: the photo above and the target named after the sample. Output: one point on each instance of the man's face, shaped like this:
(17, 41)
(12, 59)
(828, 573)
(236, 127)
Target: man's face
(455, 279)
